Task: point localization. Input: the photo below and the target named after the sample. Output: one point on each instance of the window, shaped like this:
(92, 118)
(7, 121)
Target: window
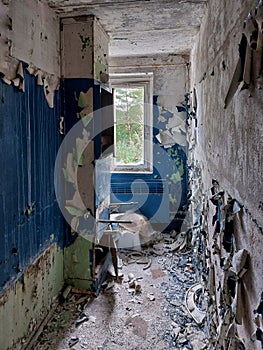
(132, 122)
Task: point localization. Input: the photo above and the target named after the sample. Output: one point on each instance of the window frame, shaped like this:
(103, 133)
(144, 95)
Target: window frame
(131, 80)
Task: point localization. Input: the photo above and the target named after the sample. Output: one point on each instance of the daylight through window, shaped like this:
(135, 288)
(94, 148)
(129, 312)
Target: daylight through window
(133, 130)
(129, 125)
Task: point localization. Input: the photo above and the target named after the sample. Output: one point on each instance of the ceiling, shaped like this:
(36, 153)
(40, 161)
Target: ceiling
(141, 27)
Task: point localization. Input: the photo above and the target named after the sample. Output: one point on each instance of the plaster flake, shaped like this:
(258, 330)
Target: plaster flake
(168, 103)
(225, 150)
(85, 101)
(176, 121)
(35, 35)
(50, 82)
(45, 274)
(175, 132)
(141, 28)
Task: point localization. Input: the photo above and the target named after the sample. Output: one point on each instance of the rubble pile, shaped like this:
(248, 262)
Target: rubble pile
(152, 304)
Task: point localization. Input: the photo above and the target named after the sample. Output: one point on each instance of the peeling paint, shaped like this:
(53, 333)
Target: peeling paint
(221, 148)
(30, 297)
(86, 38)
(85, 41)
(61, 126)
(85, 101)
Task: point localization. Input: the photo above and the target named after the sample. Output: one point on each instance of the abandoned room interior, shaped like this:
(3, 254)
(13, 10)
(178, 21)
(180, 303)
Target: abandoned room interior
(131, 183)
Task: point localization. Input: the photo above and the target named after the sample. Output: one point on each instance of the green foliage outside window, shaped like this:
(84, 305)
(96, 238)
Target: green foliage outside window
(129, 112)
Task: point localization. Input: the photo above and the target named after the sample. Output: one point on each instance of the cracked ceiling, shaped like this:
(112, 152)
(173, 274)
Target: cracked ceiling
(144, 27)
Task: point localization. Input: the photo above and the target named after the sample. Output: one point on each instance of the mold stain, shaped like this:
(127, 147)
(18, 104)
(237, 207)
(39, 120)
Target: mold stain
(85, 44)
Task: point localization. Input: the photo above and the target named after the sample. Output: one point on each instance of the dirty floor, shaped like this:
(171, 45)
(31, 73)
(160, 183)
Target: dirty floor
(155, 317)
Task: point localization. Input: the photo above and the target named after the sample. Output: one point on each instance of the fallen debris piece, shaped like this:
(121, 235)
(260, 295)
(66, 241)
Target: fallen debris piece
(84, 317)
(81, 291)
(138, 257)
(110, 285)
(156, 251)
(92, 319)
(176, 332)
(134, 284)
(151, 297)
(197, 314)
(66, 292)
(73, 341)
(148, 265)
(136, 300)
(82, 300)
(131, 276)
(178, 244)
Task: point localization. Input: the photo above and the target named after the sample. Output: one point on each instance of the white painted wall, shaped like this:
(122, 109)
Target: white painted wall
(30, 33)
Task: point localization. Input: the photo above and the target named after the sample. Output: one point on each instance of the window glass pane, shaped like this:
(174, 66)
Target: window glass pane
(129, 125)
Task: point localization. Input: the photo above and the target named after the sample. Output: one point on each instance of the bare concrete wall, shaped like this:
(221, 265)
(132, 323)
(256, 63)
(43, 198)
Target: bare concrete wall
(227, 146)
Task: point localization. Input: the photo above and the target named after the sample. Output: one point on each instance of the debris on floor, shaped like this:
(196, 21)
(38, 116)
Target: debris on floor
(146, 309)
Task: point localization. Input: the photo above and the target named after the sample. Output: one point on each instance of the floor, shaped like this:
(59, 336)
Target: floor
(144, 309)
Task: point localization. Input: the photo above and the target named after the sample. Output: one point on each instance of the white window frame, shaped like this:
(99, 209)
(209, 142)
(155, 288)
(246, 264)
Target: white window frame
(144, 80)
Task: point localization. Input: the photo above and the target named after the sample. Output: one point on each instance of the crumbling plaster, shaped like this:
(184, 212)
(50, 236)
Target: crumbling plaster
(141, 27)
(227, 146)
(170, 73)
(236, 159)
(24, 306)
(170, 83)
(29, 33)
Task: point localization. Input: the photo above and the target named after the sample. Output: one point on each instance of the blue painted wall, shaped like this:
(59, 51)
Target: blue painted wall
(72, 87)
(29, 140)
(167, 162)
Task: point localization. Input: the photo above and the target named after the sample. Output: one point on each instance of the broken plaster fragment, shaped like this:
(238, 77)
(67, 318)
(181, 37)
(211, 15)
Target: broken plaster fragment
(6, 80)
(31, 70)
(175, 121)
(39, 75)
(66, 292)
(92, 319)
(197, 314)
(84, 317)
(50, 85)
(85, 101)
(151, 297)
(20, 75)
(73, 341)
(61, 126)
(179, 138)
(168, 139)
(16, 81)
(20, 72)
